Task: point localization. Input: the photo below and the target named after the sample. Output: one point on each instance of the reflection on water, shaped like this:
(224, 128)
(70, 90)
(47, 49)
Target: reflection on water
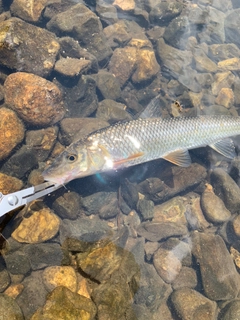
(155, 241)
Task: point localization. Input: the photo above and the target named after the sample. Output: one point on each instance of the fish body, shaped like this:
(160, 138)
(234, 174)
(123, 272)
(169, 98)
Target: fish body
(133, 142)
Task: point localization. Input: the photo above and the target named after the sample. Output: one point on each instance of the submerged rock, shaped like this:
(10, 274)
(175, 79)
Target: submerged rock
(28, 10)
(9, 184)
(11, 131)
(36, 100)
(25, 47)
(221, 281)
(9, 309)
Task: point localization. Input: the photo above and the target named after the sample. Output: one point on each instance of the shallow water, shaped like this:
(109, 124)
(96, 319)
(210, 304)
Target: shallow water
(152, 241)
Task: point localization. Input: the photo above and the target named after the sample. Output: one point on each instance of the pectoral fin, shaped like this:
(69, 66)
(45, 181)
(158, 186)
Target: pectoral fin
(125, 160)
(225, 147)
(180, 158)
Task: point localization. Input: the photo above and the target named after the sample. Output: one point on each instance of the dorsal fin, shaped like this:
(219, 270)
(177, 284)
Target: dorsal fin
(225, 147)
(153, 109)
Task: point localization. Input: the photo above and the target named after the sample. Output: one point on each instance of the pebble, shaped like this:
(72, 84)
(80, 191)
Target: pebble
(190, 304)
(187, 277)
(71, 67)
(227, 189)
(146, 209)
(213, 206)
(236, 226)
(57, 276)
(11, 132)
(65, 304)
(41, 226)
(9, 309)
(19, 42)
(14, 290)
(231, 311)
(36, 100)
(29, 11)
(112, 111)
(9, 184)
(221, 281)
(67, 206)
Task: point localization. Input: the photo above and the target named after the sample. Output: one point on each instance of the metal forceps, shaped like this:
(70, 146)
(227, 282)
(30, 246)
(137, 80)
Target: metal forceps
(17, 199)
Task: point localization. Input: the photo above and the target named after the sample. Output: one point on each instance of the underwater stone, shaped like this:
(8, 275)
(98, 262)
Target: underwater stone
(9, 309)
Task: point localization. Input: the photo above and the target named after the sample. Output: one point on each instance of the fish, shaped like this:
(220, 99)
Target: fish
(147, 138)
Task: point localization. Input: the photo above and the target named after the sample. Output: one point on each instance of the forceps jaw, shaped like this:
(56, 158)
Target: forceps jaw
(17, 199)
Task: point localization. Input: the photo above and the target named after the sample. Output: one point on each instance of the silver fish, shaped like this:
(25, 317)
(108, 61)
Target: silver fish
(133, 142)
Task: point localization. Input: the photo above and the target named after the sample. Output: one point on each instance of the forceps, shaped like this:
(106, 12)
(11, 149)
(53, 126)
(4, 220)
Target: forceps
(17, 199)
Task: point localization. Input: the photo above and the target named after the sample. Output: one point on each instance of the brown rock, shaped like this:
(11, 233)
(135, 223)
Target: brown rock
(232, 64)
(124, 5)
(36, 100)
(222, 80)
(60, 276)
(11, 131)
(9, 184)
(28, 10)
(41, 226)
(25, 47)
(14, 290)
(225, 98)
(72, 67)
(236, 225)
(235, 254)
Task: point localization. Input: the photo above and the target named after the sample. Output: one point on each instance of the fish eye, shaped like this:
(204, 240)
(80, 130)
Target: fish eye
(71, 157)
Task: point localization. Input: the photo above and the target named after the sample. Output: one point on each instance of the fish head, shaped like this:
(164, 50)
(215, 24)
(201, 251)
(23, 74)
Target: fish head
(72, 163)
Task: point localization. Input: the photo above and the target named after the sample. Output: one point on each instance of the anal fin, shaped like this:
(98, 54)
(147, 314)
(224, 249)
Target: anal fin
(224, 147)
(180, 158)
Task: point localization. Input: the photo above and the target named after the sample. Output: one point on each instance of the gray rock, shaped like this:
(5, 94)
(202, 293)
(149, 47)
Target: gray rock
(112, 111)
(213, 207)
(227, 189)
(4, 280)
(72, 67)
(219, 52)
(41, 142)
(232, 31)
(87, 30)
(231, 311)
(187, 277)
(17, 262)
(156, 231)
(220, 278)
(9, 309)
(167, 11)
(67, 206)
(21, 40)
(34, 293)
(177, 32)
(79, 97)
(203, 62)
(44, 254)
(108, 85)
(197, 306)
(107, 12)
(20, 163)
(84, 229)
(145, 208)
(73, 129)
(95, 203)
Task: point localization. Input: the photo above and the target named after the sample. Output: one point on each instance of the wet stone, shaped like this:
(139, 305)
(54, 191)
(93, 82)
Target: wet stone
(203, 62)
(187, 277)
(232, 64)
(190, 304)
(221, 282)
(75, 129)
(44, 254)
(63, 304)
(150, 248)
(4, 280)
(9, 309)
(14, 290)
(231, 311)
(227, 189)
(118, 33)
(108, 85)
(17, 262)
(222, 80)
(9, 184)
(224, 51)
(146, 209)
(41, 141)
(20, 163)
(11, 131)
(36, 100)
(71, 67)
(225, 98)
(60, 276)
(124, 5)
(87, 31)
(20, 39)
(112, 111)
(107, 13)
(231, 27)
(40, 226)
(213, 207)
(236, 225)
(34, 292)
(67, 206)
(28, 10)
(167, 12)
(177, 32)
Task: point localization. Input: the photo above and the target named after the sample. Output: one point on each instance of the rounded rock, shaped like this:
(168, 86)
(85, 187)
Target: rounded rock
(11, 131)
(60, 276)
(36, 100)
